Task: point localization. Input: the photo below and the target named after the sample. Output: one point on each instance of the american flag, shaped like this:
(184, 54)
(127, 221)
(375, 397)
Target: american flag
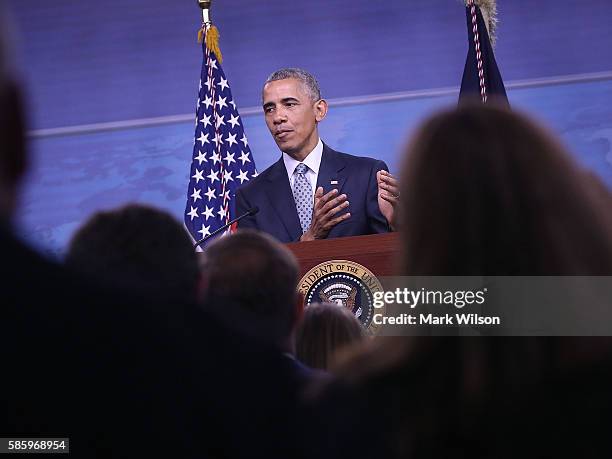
(222, 159)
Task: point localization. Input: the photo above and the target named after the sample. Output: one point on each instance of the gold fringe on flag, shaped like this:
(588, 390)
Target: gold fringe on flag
(212, 40)
(201, 34)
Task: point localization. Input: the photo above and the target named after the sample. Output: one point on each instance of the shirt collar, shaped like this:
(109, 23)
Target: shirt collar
(312, 160)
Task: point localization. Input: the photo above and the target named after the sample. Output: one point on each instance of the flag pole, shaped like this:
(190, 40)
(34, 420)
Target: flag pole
(205, 6)
(208, 33)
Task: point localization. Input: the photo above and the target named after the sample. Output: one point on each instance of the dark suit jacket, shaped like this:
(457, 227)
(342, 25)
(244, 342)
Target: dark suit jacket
(271, 192)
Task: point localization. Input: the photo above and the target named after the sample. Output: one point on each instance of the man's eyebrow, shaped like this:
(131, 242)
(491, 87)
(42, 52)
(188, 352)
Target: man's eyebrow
(283, 101)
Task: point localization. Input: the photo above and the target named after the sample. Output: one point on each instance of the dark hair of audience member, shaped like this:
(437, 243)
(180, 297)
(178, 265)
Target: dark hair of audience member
(13, 157)
(326, 329)
(250, 281)
(137, 247)
(486, 191)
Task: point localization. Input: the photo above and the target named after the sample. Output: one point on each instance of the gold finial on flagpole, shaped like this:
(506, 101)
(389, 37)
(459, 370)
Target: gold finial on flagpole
(205, 6)
(208, 33)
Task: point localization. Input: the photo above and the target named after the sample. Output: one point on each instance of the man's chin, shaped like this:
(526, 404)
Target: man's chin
(286, 147)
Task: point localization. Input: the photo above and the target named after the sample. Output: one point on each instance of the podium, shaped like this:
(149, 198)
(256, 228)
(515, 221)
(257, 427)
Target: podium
(376, 252)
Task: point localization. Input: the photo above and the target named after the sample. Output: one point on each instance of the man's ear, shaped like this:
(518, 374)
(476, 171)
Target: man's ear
(320, 108)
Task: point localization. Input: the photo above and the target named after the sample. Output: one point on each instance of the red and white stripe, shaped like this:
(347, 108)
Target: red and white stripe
(214, 116)
(481, 77)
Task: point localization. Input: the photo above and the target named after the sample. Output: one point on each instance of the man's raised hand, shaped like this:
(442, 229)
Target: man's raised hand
(388, 196)
(324, 214)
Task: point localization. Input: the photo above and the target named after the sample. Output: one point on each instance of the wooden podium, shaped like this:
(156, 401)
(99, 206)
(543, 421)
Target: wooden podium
(377, 252)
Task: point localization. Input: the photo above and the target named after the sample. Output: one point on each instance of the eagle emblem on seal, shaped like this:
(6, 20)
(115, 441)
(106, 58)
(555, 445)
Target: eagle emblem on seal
(342, 295)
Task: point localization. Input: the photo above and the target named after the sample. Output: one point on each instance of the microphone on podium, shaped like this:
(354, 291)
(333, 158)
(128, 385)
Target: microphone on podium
(249, 213)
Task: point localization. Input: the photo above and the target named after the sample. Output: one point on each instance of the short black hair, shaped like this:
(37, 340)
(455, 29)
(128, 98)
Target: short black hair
(251, 281)
(137, 247)
(309, 82)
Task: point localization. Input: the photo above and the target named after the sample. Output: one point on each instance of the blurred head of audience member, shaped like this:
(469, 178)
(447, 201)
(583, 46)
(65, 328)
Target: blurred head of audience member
(106, 363)
(486, 191)
(325, 330)
(139, 248)
(250, 282)
(13, 158)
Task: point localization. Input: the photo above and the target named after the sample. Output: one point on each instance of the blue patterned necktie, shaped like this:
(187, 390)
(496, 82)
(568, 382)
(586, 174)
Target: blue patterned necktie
(302, 193)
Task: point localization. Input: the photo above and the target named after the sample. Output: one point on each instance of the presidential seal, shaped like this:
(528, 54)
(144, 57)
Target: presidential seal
(346, 283)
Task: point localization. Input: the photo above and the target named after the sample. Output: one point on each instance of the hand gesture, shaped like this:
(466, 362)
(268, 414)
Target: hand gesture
(324, 212)
(388, 196)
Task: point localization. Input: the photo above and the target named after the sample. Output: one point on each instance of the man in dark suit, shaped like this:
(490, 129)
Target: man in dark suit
(250, 285)
(313, 192)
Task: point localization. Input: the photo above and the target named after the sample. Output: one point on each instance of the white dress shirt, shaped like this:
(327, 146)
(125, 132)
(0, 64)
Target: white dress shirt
(313, 161)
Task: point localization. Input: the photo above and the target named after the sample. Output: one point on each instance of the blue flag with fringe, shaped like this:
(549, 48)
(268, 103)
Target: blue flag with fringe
(482, 79)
